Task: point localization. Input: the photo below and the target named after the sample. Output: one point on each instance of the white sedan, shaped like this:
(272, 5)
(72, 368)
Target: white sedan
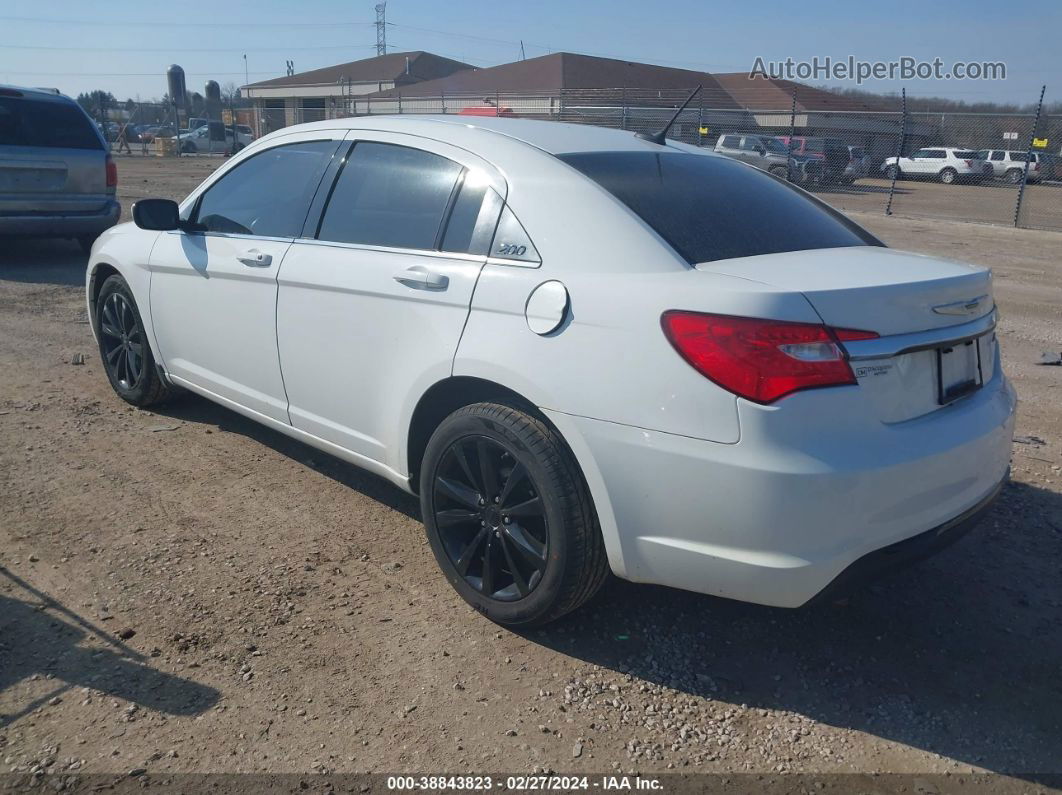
(584, 351)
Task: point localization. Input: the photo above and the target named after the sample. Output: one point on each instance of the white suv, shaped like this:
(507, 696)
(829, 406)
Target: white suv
(1010, 164)
(946, 163)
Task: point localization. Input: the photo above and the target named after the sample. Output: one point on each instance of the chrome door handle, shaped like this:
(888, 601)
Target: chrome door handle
(420, 278)
(256, 259)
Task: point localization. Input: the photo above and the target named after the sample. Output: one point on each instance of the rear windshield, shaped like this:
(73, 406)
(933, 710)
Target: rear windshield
(29, 122)
(710, 208)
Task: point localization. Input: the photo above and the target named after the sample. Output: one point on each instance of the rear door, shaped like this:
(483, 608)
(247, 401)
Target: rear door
(52, 157)
(214, 290)
(372, 307)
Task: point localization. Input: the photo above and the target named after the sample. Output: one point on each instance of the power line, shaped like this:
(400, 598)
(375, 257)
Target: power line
(132, 74)
(284, 48)
(552, 49)
(170, 24)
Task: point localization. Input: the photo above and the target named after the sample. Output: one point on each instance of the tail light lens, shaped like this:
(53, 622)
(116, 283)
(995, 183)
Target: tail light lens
(762, 360)
(112, 173)
(969, 163)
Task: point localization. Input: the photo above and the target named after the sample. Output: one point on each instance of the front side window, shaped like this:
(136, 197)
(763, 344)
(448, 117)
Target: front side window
(388, 195)
(268, 194)
(711, 208)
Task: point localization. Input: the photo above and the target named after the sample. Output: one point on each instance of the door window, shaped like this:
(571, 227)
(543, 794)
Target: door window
(268, 194)
(394, 196)
(731, 141)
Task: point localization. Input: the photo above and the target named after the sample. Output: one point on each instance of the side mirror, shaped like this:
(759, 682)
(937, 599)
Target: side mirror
(158, 215)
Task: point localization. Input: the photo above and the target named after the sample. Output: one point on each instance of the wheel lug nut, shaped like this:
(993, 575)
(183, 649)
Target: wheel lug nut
(507, 519)
(482, 501)
(497, 499)
(482, 522)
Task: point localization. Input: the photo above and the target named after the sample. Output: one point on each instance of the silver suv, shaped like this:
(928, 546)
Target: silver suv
(57, 178)
(768, 153)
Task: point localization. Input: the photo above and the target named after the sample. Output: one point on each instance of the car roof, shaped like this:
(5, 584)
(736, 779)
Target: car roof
(38, 93)
(549, 136)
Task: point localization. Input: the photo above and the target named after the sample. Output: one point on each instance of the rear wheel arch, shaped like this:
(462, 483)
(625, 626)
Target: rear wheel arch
(447, 396)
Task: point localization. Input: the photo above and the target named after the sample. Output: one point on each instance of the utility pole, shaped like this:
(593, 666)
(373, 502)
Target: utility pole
(523, 57)
(246, 74)
(381, 29)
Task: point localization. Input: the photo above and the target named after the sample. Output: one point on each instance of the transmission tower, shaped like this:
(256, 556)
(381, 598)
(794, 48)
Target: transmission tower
(381, 29)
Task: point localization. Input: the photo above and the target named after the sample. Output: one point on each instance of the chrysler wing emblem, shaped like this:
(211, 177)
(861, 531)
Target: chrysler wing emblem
(971, 306)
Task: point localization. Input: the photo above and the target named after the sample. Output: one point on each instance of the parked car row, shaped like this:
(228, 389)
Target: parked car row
(807, 160)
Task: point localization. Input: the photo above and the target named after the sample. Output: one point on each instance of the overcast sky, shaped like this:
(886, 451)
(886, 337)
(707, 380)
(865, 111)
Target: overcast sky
(125, 46)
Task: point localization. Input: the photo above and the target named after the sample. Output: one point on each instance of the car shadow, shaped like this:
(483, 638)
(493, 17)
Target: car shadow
(193, 408)
(42, 261)
(958, 656)
(40, 636)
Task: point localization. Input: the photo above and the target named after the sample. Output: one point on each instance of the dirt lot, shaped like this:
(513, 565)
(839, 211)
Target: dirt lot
(989, 203)
(184, 591)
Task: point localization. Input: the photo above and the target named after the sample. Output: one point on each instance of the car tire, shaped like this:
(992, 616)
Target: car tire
(893, 172)
(509, 517)
(189, 148)
(948, 176)
(236, 148)
(1014, 175)
(124, 348)
(779, 171)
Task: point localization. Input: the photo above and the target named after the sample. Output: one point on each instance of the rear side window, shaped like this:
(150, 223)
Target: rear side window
(464, 215)
(389, 195)
(963, 154)
(268, 194)
(48, 123)
(731, 141)
(711, 208)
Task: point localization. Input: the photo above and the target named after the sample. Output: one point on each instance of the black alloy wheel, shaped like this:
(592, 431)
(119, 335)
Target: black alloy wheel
(121, 341)
(490, 518)
(124, 348)
(509, 516)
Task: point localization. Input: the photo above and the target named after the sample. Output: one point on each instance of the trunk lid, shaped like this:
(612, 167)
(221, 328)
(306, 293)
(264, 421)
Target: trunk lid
(935, 319)
(872, 288)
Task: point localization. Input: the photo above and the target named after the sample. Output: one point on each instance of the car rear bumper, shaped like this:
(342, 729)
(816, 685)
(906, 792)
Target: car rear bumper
(777, 517)
(61, 224)
(894, 557)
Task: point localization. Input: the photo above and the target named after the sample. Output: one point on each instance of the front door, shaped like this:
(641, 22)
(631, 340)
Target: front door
(370, 313)
(214, 284)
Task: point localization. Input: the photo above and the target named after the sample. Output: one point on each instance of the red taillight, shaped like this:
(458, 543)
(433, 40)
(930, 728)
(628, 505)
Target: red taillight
(761, 360)
(112, 173)
(969, 163)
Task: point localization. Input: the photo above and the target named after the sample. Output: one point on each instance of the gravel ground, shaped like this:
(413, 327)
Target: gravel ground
(184, 591)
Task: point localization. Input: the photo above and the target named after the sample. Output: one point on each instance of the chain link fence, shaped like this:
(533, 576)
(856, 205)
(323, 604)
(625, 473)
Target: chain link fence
(952, 165)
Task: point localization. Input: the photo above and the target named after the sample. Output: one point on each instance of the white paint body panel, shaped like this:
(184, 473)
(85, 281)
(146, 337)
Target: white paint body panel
(693, 487)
